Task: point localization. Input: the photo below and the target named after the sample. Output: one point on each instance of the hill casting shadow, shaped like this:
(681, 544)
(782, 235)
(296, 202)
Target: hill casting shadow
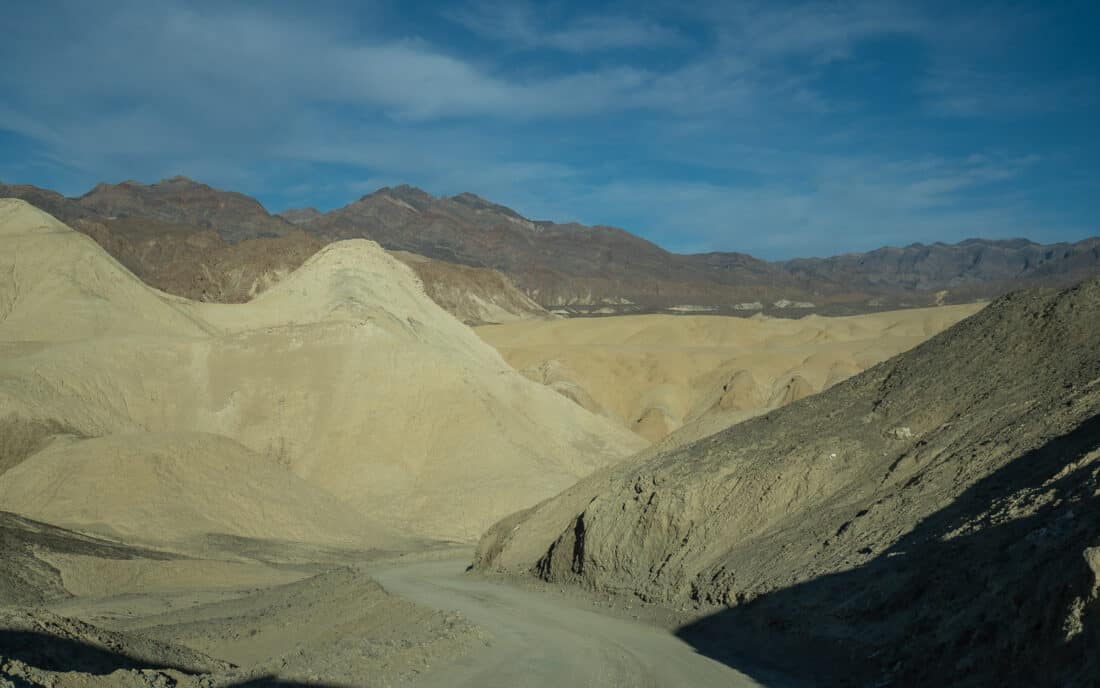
(52, 653)
(47, 652)
(972, 596)
(272, 681)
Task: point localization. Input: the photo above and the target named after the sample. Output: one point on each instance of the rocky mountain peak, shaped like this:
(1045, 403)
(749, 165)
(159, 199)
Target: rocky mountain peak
(180, 200)
(478, 203)
(179, 181)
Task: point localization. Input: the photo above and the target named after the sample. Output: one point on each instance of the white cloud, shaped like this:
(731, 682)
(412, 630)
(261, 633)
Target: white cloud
(230, 66)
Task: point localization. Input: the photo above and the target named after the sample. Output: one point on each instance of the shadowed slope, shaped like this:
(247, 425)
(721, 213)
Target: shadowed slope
(996, 596)
(828, 484)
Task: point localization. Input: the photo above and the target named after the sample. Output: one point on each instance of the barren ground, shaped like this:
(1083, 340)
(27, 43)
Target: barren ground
(268, 616)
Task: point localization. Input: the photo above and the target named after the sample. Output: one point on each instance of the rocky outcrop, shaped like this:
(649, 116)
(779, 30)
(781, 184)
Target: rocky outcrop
(476, 296)
(197, 262)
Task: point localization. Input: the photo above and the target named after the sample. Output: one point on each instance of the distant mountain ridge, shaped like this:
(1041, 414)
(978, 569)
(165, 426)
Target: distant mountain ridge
(181, 200)
(943, 266)
(579, 269)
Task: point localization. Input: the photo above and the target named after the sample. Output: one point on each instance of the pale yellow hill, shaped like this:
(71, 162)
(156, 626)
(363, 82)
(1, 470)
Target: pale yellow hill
(694, 375)
(345, 374)
(156, 487)
(58, 285)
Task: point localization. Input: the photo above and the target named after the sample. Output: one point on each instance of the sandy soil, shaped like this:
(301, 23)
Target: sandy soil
(695, 375)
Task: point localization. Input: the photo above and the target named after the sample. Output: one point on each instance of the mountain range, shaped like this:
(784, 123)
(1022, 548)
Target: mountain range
(568, 267)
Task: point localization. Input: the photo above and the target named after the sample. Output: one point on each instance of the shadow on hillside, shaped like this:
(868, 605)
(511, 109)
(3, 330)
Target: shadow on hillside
(985, 608)
(272, 681)
(46, 652)
(52, 653)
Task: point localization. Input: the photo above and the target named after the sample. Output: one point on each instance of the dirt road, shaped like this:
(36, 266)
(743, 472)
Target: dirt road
(541, 640)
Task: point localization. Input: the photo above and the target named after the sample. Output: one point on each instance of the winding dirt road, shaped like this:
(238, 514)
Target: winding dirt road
(541, 640)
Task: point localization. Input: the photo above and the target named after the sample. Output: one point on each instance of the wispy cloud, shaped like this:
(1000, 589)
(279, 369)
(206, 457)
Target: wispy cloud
(522, 25)
(821, 32)
(210, 64)
(971, 92)
(857, 202)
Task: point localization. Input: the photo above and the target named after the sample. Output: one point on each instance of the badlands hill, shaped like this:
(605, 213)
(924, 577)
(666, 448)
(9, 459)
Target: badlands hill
(934, 520)
(340, 405)
(580, 269)
(56, 285)
(656, 374)
(153, 485)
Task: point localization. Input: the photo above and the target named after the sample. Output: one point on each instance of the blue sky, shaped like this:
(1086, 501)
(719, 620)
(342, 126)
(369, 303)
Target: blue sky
(777, 129)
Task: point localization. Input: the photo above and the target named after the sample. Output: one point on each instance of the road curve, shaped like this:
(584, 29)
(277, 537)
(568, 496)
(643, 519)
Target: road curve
(540, 640)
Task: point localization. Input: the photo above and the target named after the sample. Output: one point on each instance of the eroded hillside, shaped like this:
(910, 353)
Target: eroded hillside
(340, 404)
(942, 504)
(692, 376)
